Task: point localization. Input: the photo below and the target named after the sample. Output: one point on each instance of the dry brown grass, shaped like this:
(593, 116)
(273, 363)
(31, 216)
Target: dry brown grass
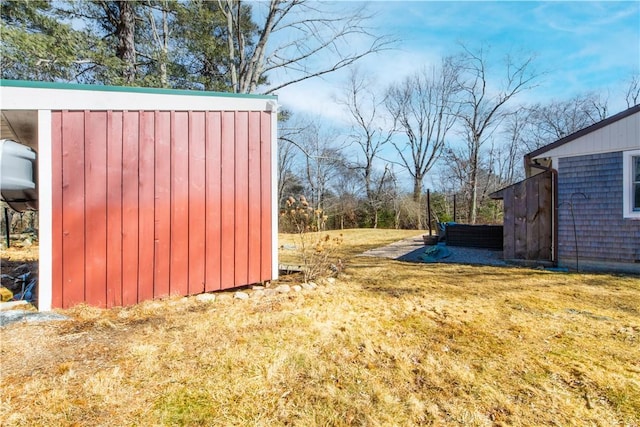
(389, 343)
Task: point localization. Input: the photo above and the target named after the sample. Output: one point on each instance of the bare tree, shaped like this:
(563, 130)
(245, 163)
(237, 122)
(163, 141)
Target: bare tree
(369, 135)
(632, 95)
(321, 160)
(483, 106)
(312, 33)
(557, 119)
(288, 133)
(343, 205)
(510, 153)
(422, 107)
(529, 128)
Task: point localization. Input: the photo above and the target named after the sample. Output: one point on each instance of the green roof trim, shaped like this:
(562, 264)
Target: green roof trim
(129, 89)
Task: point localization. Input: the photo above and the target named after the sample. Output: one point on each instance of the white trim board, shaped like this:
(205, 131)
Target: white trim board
(45, 213)
(27, 98)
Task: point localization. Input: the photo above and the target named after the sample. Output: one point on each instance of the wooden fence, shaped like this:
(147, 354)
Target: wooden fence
(528, 213)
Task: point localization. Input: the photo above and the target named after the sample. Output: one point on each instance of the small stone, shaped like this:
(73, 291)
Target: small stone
(205, 297)
(241, 295)
(313, 285)
(179, 301)
(283, 289)
(307, 286)
(9, 305)
(257, 287)
(269, 292)
(330, 280)
(259, 293)
(296, 288)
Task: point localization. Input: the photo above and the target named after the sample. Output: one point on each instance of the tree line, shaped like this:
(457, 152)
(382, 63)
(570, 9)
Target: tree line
(220, 45)
(459, 123)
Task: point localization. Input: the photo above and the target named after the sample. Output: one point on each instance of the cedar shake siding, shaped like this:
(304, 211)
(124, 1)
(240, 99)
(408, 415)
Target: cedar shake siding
(603, 234)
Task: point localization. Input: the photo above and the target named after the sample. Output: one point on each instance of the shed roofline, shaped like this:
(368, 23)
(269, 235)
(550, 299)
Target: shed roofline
(128, 89)
(626, 113)
(20, 95)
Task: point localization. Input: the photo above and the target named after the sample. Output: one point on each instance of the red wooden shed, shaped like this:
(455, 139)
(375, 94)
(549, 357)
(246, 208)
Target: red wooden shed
(146, 193)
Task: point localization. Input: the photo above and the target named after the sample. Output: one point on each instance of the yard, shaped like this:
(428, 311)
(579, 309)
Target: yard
(388, 343)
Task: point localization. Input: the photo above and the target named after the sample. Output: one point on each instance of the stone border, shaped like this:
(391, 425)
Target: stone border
(259, 291)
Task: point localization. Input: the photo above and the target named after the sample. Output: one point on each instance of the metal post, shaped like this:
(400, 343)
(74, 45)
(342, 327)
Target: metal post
(429, 211)
(7, 227)
(454, 208)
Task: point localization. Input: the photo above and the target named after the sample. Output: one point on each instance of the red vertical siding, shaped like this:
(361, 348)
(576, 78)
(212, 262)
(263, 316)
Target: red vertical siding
(162, 238)
(255, 203)
(242, 198)
(147, 204)
(114, 209)
(212, 208)
(197, 200)
(95, 143)
(73, 237)
(227, 201)
(179, 204)
(266, 199)
(130, 175)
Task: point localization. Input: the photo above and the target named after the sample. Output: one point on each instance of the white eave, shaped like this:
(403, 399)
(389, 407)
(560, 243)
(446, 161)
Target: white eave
(620, 132)
(20, 95)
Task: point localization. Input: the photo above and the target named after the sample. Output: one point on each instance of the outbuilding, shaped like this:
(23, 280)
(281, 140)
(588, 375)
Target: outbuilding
(580, 204)
(146, 193)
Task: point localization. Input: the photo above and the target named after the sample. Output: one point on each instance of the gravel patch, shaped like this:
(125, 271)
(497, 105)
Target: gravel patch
(13, 316)
(455, 255)
(414, 250)
(397, 249)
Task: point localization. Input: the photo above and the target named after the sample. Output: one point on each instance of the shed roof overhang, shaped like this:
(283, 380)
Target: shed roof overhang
(27, 95)
(21, 101)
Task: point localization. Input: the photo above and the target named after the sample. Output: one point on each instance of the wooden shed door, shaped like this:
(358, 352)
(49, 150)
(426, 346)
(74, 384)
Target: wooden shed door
(154, 203)
(528, 210)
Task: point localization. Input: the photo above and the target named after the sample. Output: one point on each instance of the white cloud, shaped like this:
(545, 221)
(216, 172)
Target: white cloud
(313, 97)
(581, 46)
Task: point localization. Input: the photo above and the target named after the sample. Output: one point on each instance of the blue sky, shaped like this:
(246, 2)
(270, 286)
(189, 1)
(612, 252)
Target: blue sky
(579, 46)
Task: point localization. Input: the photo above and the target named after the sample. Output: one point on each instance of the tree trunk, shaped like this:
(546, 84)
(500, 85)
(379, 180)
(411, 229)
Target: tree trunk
(473, 180)
(126, 50)
(417, 197)
(473, 205)
(165, 48)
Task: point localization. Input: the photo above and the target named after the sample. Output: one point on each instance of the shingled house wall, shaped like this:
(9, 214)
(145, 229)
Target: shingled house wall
(602, 232)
